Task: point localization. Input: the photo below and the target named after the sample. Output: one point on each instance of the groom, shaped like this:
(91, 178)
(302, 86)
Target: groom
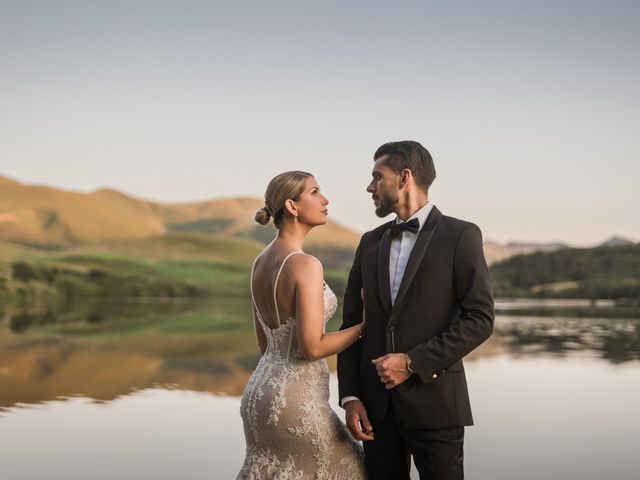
(428, 302)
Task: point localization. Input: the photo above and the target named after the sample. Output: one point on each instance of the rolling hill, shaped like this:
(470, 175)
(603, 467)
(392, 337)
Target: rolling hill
(49, 217)
(608, 272)
(56, 244)
(107, 221)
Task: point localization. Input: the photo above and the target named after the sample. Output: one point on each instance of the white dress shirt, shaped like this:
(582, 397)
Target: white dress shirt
(401, 247)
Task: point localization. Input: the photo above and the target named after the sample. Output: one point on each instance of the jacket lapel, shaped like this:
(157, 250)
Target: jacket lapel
(383, 270)
(417, 254)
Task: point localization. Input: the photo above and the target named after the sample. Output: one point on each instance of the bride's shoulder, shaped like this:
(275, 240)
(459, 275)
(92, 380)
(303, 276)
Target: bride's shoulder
(257, 262)
(304, 264)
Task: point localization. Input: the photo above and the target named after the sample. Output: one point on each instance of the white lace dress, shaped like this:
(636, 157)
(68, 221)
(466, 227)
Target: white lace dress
(291, 431)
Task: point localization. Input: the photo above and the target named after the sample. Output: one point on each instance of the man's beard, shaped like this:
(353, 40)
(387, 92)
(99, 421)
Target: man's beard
(386, 205)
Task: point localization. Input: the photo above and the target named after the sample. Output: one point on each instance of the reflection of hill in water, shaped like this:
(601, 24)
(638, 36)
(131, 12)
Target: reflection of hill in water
(205, 346)
(105, 351)
(617, 340)
(45, 372)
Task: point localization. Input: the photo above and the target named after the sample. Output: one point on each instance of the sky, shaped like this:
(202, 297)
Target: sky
(530, 109)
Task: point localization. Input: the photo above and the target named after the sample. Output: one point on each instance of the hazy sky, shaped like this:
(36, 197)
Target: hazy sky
(530, 109)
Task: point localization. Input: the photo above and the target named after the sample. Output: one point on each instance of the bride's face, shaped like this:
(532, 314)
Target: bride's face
(312, 206)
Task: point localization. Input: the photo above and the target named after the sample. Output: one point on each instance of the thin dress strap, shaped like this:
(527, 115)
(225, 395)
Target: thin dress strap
(255, 305)
(275, 285)
(253, 300)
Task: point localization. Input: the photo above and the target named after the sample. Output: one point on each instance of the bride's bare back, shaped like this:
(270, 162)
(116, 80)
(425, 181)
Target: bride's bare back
(272, 272)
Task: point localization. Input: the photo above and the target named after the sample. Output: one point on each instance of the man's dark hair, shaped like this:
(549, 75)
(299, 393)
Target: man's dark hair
(411, 155)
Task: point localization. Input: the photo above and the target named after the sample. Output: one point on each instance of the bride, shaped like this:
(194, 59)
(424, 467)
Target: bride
(290, 429)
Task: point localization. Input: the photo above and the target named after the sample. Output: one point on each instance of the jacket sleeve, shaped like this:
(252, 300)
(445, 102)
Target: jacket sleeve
(348, 359)
(474, 324)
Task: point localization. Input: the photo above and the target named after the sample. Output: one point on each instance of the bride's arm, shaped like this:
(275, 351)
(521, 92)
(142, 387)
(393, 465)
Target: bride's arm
(314, 343)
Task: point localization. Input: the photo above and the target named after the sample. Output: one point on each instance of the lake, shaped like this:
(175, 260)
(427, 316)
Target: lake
(151, 390)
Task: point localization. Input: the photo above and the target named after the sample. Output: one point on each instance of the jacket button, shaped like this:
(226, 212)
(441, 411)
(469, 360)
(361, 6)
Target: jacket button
(434, 376)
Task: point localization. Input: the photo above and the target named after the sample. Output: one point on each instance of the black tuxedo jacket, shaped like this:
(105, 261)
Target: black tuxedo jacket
(443, 310)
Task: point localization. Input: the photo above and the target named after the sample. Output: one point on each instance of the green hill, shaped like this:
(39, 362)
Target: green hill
(57, 244)
(610, 272)
(171, 265)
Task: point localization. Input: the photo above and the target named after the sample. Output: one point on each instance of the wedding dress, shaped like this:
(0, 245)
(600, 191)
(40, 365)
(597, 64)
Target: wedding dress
(291, 431)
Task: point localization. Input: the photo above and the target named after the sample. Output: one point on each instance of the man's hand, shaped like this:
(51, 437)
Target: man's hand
(392, 369)
(358, 421)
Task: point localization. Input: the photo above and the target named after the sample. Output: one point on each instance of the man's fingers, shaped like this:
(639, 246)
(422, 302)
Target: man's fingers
(364, 436)
(375, 361)
(382, 365)
(357, 432)
(353, 427)
(366, 424)
(365, 433)
(352, 423)
(358, 422)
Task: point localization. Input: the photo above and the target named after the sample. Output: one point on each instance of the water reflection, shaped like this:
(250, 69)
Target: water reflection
(104, 350)
(617, 340)
(202, 346)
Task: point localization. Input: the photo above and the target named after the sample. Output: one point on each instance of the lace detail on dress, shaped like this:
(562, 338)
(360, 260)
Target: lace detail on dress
(267, 465)
(278, 384)
(290, 429)
(330, 303)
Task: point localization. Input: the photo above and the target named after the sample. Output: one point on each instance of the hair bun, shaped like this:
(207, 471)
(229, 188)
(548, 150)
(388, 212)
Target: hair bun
(262, 216)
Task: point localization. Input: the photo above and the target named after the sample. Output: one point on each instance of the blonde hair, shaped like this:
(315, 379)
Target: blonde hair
(287, 185)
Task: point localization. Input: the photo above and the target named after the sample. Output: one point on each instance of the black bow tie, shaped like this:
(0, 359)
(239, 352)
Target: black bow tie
(411, 226)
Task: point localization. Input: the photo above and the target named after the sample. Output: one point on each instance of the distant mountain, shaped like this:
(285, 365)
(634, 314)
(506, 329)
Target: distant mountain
(46, 216)
(495, 252)
(616, 241)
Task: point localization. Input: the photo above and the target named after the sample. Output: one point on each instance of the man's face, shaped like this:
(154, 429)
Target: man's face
(384, 188)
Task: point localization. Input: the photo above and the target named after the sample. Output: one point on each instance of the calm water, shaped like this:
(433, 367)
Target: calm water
(151, 391)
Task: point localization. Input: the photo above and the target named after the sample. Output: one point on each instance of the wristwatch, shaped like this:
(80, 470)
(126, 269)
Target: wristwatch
(409, 363)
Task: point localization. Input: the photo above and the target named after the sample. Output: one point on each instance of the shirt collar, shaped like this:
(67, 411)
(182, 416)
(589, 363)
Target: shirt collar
(421, 214)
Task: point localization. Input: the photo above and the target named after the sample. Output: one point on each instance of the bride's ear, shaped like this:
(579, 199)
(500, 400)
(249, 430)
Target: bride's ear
(291, 207)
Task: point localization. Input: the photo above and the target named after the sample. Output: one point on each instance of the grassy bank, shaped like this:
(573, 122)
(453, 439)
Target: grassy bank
(179, 266)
